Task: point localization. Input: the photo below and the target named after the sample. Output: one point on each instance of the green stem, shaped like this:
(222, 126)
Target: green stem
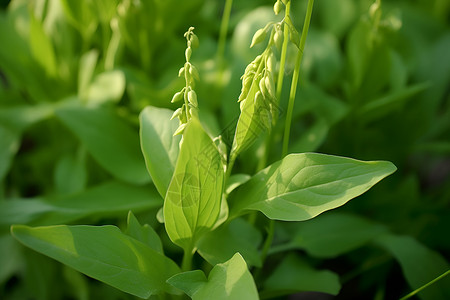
(425, 285)
(268, 241)
(283, 52)
(223, 32)
(287, 127)
(186, 264)
(269, 138)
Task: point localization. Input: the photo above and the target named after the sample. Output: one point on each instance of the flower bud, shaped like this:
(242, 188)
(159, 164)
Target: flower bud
(181, 71)
(270, 85)
(259, 99)
(278, 38)
(277, 7)
(194, 40)
(183, 116)
(193, 71)
(188, 53)
(192, 98)
(180, 129)
(258, 37)
(177, 97)
(176, 114)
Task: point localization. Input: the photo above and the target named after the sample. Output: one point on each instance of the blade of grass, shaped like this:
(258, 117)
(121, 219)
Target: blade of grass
(425, 286)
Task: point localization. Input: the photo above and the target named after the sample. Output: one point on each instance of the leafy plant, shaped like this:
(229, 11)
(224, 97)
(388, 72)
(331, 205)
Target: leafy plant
(223, 206)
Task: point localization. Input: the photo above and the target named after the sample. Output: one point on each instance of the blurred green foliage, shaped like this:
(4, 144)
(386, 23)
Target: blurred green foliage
(375, 84)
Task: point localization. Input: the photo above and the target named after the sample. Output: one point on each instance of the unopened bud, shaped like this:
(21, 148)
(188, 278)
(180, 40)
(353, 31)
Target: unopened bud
(176, 113)
(258, 37)
(188, 53)
(194, 41)
(192, 98)
(177, 97)
(180, 129)
(277, 7)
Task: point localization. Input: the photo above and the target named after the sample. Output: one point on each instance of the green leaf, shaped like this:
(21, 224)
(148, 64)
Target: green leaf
(19, 118)
(419, 264)
(108, 199)
(230, 280)
(159, 146)
(221, 244)
(301, 186)
(332, 234)
(42, 48)
(106, 87)
(145, 234)
(193, 200)
(293, 275)
(109, 139)
(386, 104)
(103, 253)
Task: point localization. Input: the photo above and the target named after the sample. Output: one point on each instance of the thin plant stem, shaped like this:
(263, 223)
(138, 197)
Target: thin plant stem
(283, 52)
(287, 127)
(223, 32)
(425, 285)
(269, 138)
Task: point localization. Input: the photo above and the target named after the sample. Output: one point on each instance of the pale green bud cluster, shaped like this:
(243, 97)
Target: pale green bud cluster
(258, 85)
(190, 106)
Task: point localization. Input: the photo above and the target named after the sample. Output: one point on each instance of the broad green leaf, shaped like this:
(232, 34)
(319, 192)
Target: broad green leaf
(159, 146)
(108, 199)
(230, 280)
(106, 86)
(145, 234)
(332, 234)
(193, 200)
(109, 139)
(103, 253)
(221, 244)
(420, 265)
(301, 186)
(294, 275)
